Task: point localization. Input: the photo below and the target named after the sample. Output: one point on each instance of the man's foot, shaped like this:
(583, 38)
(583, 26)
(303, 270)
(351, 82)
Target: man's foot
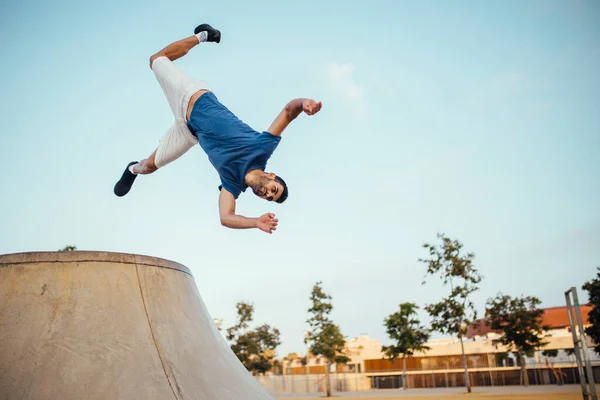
(124, 184)
(213, 34)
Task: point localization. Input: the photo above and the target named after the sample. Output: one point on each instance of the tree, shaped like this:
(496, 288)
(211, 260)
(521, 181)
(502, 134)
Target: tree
(277, 367)
(68, 248)
(520, 322)
(455, 312)
(254, 348)
(550, 353)
(325, 337)
(404, 328)
(593, 288)
(569, 352)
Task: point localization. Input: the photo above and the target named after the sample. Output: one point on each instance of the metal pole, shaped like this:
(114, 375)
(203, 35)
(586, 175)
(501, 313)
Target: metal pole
(489, 365)
(585, 351)
(575, 345)
(307, 372)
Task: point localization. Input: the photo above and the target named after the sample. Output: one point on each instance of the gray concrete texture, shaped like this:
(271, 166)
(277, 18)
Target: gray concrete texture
(100, 325)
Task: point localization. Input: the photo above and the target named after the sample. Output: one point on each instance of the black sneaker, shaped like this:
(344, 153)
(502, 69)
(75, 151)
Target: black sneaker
(213, 34)
(124, 184)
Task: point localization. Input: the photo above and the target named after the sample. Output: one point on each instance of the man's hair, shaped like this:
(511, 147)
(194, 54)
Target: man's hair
(284, 194)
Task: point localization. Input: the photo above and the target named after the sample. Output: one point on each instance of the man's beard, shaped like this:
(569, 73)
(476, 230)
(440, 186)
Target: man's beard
(260, 187)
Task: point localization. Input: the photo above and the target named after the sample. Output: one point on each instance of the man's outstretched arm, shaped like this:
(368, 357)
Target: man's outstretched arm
(291, 111)
(266, 222)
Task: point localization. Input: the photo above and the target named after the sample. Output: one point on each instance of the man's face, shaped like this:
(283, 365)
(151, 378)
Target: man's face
(267, 188)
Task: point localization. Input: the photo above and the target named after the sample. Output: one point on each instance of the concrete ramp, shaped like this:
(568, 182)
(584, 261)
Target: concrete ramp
(95, 325)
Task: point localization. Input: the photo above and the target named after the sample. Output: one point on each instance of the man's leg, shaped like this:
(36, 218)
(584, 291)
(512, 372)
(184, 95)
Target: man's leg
(202, 33)
(146, 166)
(174, 143)
(174, 51)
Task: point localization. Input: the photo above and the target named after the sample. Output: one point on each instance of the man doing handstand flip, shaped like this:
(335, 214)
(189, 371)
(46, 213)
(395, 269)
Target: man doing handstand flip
(236, 151)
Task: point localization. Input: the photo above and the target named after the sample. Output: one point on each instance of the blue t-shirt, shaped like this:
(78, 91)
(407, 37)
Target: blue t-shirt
(233, 147)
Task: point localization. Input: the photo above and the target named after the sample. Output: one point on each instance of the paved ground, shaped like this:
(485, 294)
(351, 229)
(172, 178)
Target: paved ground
(570, 392)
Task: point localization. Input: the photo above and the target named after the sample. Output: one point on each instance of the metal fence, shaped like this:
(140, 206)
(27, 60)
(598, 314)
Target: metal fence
(512, 377)
(352, 382)
(346, 382)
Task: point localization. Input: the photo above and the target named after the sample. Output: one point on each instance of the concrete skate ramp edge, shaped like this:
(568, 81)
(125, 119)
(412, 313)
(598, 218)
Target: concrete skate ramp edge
(102, 325)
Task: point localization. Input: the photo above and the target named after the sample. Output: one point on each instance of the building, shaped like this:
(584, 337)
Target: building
(442, 365)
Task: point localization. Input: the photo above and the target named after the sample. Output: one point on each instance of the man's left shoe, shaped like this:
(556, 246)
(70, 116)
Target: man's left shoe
(124, 184)
(213, 34)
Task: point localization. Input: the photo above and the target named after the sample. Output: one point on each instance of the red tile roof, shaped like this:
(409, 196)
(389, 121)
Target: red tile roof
(558, 317)
(555, 317)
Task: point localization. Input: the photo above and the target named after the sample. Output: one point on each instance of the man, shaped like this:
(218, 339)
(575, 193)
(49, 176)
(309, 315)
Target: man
(237, 152)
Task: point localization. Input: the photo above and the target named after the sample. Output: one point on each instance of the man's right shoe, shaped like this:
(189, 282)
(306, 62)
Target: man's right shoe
(214, 35)
(124, 184)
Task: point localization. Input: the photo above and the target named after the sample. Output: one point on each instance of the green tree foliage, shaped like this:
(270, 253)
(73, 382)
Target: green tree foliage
(593, 288)
(570, 352)
(255, 348)
(68, 248)
(277, 367)
(456, 311)
(519, 320)
(325, 337)
(550, 353)
(404, 328)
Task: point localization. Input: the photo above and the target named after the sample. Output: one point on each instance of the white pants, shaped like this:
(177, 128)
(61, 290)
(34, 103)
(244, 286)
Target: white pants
(178, 88)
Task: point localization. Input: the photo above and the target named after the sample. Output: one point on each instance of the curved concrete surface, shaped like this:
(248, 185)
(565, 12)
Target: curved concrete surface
(98, 325)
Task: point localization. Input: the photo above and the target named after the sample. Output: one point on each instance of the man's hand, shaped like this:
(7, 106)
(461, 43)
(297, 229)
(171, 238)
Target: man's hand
(267, 223)
(291, 111)
(311, 107)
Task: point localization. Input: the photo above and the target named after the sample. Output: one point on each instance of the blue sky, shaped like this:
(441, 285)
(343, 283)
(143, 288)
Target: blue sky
(477, 119)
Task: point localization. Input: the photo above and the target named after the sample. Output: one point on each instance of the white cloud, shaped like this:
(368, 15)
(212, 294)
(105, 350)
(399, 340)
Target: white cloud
(341, 80)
